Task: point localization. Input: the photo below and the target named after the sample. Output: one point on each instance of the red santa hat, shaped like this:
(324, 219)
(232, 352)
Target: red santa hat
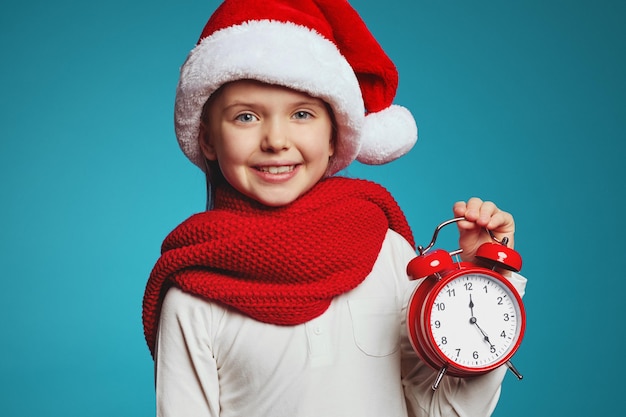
(320, 47)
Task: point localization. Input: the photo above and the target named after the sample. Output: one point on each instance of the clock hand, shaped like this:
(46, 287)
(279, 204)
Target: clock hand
(474, 321)
(486, 338)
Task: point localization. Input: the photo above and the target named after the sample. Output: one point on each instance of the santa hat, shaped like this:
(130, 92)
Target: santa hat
(320, 47)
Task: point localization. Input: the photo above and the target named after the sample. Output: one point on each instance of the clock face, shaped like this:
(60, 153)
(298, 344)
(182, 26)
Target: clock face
(475, 321)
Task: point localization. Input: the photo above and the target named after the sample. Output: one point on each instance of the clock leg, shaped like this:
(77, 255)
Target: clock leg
(440, 375)
(514, 370)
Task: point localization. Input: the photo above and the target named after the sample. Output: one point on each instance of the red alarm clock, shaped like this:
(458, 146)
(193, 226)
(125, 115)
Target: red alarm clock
(465, 319)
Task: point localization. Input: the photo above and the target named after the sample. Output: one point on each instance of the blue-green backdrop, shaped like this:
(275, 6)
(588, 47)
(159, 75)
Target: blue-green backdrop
(519, 102)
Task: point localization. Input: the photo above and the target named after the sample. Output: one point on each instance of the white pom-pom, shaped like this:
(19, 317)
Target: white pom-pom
(387, 135)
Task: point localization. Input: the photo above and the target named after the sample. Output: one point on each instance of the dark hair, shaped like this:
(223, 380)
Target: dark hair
(214, 176)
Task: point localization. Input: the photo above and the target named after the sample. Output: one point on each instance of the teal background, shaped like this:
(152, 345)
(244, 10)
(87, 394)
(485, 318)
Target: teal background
(522, 103)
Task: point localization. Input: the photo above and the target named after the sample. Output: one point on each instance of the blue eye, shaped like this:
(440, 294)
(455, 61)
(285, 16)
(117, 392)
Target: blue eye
(302, 115)
(246, 117)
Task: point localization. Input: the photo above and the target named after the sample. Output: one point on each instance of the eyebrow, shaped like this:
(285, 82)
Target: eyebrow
(312, 103)
(316, 103)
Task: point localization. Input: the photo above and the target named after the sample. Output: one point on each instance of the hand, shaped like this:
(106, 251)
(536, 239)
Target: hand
(485, 337)
(474, 321)
(480, 215)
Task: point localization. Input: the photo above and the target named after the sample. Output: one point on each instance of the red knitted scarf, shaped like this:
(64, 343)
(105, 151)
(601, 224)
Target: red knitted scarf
(277, 265)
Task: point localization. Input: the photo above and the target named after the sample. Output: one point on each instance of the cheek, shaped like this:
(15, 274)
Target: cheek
(228, 148)
(318, 152)
(233, 158)
(234, 173)
(323, 147)
(230, 157)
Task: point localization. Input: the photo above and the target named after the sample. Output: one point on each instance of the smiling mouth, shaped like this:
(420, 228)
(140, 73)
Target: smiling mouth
(277, 169)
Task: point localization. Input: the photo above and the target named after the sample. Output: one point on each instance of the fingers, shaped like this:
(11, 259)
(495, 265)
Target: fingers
(483, 214)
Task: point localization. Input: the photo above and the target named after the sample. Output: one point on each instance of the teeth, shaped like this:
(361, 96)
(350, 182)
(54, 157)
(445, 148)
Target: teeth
(277, 170)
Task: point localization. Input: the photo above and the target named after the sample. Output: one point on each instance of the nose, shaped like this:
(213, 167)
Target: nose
(275, 136)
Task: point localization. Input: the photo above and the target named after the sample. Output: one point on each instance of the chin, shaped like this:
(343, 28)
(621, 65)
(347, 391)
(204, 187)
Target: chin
(278, 198)
(276, 202)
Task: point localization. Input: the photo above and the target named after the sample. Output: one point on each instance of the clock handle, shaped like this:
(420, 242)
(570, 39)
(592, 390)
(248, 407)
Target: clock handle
(496, 252)
(504, 241)
(423, 250)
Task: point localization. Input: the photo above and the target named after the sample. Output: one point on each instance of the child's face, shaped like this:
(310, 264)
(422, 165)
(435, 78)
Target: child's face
(272, 143)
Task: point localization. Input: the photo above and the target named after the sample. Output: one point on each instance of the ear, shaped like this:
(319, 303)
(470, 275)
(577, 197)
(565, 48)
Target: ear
(206, 146)
(333, 140)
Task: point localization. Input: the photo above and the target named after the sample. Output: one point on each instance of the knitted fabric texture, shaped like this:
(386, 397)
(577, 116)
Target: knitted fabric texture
(277, 265)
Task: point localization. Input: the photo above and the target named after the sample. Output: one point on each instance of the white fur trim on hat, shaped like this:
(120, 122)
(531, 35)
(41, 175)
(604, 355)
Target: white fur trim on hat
(277, 53)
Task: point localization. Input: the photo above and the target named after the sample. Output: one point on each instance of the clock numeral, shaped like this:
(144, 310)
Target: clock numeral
(437, 324)
(458, 352)
(444, 340)
(440, 306)
(506, 317)
(503, 334)
(492, 349)
(486, 289)
(451, 293)
(475, 355)
(500, 299)
(468, 286)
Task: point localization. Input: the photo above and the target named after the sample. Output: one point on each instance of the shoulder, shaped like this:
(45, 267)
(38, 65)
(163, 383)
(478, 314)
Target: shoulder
(396, 250)
(182, 307)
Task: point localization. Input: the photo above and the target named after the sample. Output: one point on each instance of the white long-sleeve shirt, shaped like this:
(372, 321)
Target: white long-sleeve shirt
(353, 360)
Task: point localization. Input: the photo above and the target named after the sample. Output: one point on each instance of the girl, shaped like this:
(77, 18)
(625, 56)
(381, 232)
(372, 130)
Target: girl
(288, 296)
